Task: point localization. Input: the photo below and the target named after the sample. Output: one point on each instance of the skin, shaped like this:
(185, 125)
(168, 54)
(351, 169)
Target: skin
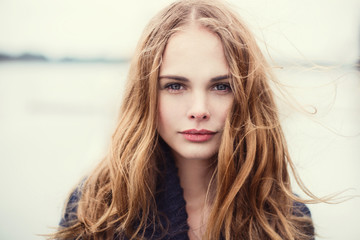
(194, 93)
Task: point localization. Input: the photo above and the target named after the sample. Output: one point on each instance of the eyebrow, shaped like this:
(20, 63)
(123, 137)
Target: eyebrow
(184, 79)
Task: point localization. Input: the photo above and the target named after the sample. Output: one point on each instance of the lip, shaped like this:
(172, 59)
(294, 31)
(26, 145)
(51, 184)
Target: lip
(194, 135)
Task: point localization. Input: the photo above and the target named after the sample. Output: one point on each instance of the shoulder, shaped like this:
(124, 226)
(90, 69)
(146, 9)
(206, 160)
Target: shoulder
(303, 213)
(70, 212)
(301, 210)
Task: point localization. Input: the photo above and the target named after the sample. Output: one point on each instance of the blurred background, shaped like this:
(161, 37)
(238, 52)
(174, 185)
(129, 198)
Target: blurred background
(63, 65)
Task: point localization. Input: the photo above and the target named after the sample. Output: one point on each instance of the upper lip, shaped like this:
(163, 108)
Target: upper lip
(195, 131)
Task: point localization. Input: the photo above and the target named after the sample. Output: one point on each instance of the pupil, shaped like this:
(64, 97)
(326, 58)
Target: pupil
(221, 87)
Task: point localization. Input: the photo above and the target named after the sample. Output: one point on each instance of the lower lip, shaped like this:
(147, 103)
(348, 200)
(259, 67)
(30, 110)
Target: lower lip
(198, 137)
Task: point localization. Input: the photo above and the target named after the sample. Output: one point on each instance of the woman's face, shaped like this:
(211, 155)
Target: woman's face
(194, 93)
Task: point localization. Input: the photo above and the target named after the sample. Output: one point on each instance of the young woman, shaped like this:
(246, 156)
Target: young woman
(198, 152)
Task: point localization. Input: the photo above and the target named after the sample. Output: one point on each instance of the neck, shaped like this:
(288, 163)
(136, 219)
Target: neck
(195, 176)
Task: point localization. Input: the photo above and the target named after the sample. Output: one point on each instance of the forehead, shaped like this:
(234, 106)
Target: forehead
(194, 49)
(194, 35)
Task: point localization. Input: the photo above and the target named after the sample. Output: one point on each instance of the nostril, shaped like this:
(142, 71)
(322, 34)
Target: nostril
(200, 116)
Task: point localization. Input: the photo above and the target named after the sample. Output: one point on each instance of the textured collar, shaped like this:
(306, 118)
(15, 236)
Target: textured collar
(171, 203)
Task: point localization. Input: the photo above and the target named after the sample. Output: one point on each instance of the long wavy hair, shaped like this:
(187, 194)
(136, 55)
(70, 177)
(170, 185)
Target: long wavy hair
(252, 194)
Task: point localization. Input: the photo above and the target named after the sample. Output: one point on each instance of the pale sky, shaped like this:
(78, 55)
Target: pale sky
(318, 30)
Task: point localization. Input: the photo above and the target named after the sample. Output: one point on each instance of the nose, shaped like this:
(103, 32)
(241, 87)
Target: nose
(199, 108)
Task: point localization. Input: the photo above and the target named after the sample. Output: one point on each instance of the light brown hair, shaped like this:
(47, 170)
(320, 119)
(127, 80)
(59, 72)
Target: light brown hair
(253, 197)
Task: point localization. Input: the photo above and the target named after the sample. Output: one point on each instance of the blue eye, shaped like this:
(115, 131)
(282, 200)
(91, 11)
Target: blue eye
(174, 87)
(222, 87)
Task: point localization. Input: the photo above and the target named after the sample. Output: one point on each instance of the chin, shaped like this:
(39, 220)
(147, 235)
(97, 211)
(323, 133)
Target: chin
(196, 154)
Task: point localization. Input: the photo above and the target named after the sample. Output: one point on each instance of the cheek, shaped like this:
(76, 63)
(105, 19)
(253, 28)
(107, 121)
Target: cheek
(222, 108)
(167, 113)
(162, 117)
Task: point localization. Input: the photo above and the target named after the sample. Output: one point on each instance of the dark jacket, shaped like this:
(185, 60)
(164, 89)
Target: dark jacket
(171, 203)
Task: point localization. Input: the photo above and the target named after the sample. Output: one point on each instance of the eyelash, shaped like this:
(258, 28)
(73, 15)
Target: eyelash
(226, 85)
(170, 87)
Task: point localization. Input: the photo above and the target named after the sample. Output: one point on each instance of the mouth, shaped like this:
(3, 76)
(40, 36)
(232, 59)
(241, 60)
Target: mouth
(194, 135)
